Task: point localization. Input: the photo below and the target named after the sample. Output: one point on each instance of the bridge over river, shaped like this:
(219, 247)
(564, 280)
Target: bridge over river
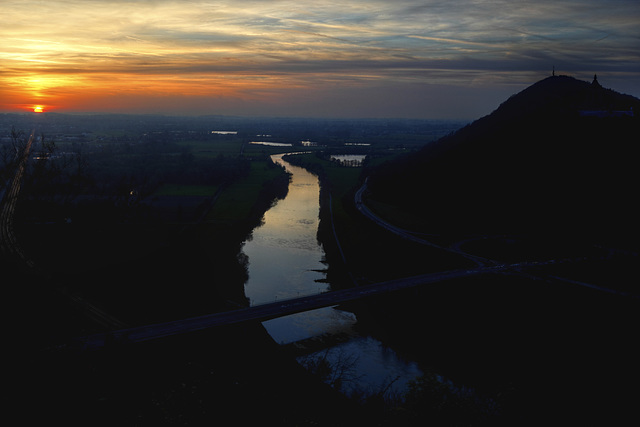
(284, 307)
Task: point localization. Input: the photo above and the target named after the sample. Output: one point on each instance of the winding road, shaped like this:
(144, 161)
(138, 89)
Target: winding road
(296, 305)
(408, 235)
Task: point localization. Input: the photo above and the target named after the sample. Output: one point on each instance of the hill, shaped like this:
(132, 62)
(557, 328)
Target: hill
(556, 157)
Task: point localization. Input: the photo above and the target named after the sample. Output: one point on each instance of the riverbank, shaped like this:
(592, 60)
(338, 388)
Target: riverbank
(147, 271)
(358, 251)
(511, 339)
(228, 375)
(233, 373)
(517, 349)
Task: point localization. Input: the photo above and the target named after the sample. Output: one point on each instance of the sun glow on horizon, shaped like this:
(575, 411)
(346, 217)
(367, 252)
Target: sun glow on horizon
(38, 109)
(281, 57)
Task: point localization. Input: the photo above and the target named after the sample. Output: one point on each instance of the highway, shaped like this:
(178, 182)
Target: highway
(10, 247)
(8, 243)
(280, 308)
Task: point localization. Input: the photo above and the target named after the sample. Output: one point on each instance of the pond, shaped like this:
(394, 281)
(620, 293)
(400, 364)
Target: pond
(271, 144)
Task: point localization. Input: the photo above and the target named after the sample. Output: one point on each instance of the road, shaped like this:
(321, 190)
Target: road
(480, 261)
(408, 235)
(10, 247)
(8, 243)
(296, 305)
(282, 308)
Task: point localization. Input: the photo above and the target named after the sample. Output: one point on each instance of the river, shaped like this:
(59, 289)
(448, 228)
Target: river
(286, 261)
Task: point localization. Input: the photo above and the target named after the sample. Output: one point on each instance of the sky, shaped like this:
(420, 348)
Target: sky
(430, 59)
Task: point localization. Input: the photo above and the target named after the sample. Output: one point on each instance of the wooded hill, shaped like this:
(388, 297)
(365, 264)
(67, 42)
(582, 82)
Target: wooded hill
(556, 157)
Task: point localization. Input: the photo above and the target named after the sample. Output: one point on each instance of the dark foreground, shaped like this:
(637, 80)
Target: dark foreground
(516, 352)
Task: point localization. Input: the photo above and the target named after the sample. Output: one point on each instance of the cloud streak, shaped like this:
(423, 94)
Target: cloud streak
(242, 50)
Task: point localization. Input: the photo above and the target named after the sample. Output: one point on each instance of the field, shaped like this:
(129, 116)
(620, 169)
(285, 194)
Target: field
(371, 254)
(186, 190)
(237, 200)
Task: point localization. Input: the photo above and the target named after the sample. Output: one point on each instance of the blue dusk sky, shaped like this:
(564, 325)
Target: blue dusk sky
(351, 58)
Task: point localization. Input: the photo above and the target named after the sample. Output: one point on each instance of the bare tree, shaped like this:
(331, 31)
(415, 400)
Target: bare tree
(334, 367)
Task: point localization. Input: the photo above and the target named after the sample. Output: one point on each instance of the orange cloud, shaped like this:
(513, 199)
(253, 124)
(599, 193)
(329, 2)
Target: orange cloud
(108, 54)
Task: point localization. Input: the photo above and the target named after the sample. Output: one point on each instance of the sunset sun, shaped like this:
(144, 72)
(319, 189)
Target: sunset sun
(38, 109)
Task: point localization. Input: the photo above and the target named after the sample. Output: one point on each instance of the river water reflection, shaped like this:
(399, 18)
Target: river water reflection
(286, 261)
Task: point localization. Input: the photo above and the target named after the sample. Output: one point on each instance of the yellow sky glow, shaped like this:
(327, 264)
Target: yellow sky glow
(75, 55)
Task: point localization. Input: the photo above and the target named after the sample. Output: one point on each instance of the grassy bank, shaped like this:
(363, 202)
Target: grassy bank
(141, 269)
(237, 201)
(371, 254)
(517, 349)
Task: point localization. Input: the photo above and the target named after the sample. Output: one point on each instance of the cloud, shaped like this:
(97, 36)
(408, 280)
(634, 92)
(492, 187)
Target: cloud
(246, 48)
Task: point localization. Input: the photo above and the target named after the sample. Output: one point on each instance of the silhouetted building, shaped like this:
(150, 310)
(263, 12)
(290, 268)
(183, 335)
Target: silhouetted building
(595, 82)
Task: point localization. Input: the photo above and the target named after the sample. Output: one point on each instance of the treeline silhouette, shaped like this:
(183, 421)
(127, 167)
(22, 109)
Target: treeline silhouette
(116, 174)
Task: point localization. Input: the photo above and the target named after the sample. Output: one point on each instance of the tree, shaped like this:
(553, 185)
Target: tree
(333, 367)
